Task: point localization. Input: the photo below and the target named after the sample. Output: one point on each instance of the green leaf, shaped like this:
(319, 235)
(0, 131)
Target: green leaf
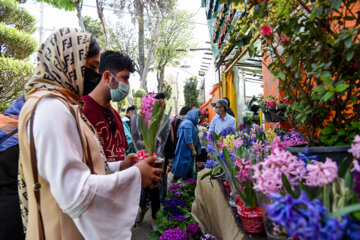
(341, 132)
(342, 87)
(346, 210)
(206, 175)
(287, 186)
(336, 3)
(348, 42)
(289, 61)
(326, 74)
(328, 95)
(313, 15)
(350, 55)
(282, 75)
(327, 130)
(343, 167)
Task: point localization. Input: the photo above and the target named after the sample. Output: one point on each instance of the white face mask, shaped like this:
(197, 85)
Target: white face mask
(217, 111)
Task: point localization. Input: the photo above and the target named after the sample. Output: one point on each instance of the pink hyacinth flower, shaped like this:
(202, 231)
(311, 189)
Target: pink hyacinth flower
(320, 173)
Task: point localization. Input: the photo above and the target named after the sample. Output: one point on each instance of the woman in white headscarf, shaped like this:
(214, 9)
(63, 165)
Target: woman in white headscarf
(61, 161)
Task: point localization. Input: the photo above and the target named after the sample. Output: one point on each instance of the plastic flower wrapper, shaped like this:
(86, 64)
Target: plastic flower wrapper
(150, 128)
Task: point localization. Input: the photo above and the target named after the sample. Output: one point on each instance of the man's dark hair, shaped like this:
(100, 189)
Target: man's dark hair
(115, 61)
(131, 108)
(160, 95)
(228, 101)
(94, 47)
(184, 110)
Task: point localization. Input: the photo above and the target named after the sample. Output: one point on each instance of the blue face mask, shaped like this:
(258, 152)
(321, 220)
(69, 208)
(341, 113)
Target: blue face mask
(120, 92)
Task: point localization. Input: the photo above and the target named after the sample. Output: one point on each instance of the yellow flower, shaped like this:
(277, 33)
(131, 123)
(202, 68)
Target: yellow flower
(229, 141)
(270, 135)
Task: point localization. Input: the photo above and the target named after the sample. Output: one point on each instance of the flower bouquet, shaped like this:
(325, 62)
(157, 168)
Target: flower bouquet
(150, 129)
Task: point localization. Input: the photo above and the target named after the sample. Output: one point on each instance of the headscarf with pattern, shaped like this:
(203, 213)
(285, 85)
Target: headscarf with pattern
(61, 63)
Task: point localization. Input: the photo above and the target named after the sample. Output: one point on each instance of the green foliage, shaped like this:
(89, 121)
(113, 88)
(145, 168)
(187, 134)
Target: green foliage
(14, 43)
(313, 54)
(140, 93)
(191, 93)
(13, 75)
(93, 26)
(19, 18)
(167, 89)
(175, 33)
(61, 4)
(187, 195)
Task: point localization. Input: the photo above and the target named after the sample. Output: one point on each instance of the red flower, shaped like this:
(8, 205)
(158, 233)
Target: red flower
(266, 30)
(284, 38)
(355, 66)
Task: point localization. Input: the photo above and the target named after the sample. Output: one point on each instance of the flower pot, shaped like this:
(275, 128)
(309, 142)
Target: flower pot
(273, 232)
(336, 153)
(251, 218)
(277, 115)
(268, 117)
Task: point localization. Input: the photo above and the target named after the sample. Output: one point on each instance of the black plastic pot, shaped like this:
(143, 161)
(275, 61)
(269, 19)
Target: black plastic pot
(277, 115)
(268, 117)
(336, 153)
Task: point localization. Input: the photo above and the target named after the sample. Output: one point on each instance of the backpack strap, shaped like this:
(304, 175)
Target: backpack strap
(8, 136)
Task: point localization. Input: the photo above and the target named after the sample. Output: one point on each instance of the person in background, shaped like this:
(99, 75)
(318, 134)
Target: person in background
(61, 159)
(168, 151)
(115, 69)
(229, 111)
(10, 218)
(222, 119)
(176, 123)
(128, 138)
(130, 111)
(188, 146)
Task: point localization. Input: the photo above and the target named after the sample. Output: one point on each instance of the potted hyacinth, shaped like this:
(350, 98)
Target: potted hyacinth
(150, 128)
(326, 205)
(229, 153)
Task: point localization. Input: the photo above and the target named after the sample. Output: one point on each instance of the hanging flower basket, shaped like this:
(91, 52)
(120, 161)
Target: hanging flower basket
(251, 218)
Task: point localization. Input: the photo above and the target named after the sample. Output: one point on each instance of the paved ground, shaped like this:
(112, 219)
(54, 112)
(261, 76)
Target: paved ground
(143, 230)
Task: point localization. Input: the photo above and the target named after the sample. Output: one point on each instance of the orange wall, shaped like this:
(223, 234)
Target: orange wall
(216, 95)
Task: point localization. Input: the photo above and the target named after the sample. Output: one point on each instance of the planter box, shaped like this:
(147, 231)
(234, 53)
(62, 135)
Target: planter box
(336, 153)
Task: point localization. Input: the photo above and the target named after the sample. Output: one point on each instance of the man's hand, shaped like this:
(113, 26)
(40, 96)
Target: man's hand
(129, 161)
(193, 153)
(149, 175)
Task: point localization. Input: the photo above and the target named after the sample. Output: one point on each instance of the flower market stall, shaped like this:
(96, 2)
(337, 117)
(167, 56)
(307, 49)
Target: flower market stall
(298, 176)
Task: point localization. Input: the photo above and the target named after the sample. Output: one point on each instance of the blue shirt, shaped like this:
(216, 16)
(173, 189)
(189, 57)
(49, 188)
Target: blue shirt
(218, 124)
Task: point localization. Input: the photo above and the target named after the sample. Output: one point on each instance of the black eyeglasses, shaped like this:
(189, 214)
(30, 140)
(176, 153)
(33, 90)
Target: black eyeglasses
(217, 106)
(110, 117)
